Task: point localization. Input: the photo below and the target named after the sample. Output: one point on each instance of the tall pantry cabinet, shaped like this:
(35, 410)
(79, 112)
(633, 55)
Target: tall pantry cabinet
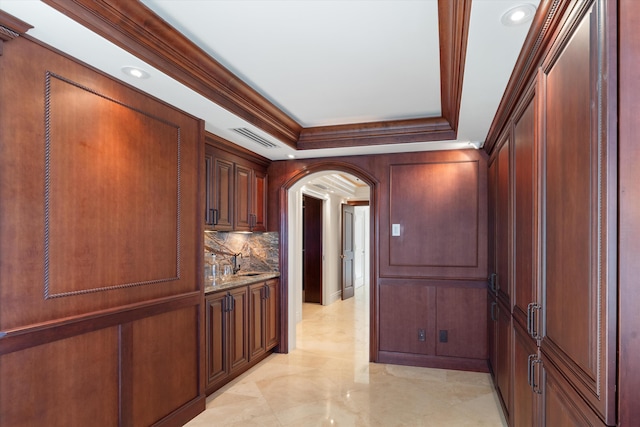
(560, 246)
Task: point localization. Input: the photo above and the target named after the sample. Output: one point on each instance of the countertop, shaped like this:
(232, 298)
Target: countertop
(240, 279)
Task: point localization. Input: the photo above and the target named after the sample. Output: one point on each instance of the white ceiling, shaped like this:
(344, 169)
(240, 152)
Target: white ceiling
(321, 61)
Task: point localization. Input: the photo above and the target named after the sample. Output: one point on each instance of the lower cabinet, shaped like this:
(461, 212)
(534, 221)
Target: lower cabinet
(241, 326)
(263, 319)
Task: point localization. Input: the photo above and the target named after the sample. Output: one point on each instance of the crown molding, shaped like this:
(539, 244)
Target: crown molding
(136, 29)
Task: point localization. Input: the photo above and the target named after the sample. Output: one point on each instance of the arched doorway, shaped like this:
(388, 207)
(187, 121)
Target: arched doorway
(288, 203)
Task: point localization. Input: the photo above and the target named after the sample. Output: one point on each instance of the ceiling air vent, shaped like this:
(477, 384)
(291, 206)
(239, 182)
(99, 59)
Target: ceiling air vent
(321, 186)
(254, 137)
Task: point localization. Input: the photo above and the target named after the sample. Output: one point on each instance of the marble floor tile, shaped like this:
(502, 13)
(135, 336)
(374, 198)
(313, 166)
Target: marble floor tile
(328, 381)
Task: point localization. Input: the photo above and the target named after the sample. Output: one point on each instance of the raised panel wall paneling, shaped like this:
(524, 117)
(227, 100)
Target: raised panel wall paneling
(408, 319)
(437, 208)
(52, 384)
(579, 286)
(462, 317)
(100, 248)
(164, 364)
(90, 202)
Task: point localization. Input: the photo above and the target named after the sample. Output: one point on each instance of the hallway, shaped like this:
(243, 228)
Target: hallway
(327, 381)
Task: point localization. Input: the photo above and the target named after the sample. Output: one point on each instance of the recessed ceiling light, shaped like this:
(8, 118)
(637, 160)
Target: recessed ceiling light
(518, 15)
(291, 156)
(138, 73)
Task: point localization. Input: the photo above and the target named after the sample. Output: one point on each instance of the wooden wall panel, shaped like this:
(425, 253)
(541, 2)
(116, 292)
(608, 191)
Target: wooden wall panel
(100, 233)
(436, 207)
(462, 315)
(629, 193)
(404, 311)
(113, 191)
(164, 364)
(53, 384)
(465, 173)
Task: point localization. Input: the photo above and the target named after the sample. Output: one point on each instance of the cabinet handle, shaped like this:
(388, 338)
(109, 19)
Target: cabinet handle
(529, 369)
(532, 320)
(493, 311)
(493, 282)
(534, 386)
(215, 217)
(267, 292)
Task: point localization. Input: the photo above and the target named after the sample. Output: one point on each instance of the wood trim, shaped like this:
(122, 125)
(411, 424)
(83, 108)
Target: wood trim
(223, 144)
(31, 336)
(428, 361)
(376, 133)
(357, 203)
(547, 20)
(453, 17)
(12, 27)
(125, 372)
(136, 29)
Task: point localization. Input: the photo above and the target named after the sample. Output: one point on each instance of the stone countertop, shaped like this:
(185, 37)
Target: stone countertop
(237, 280)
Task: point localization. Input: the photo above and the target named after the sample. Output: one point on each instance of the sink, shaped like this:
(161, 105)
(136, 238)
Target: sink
(249, 274)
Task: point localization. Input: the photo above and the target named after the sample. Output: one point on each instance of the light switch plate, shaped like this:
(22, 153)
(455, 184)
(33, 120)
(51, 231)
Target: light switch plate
(395, 229)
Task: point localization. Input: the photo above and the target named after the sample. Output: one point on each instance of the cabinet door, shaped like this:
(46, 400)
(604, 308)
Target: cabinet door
(209, 193)
(238, 339)
(272, 308)
(492, 328)
(503, 222)
(243, 208)
(562, 406)
(580, 231)
(216, 318)
(223, 194)
(257, 296)
(525, 208)
(524, 411)
(259, 201)
(503, 356)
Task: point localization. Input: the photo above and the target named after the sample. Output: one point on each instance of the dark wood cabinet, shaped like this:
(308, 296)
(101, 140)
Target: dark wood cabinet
(502, 370)
(241, 328)
(556, 238)
(579, 334)
(236, 192)
(263, 303)
(227, 327)
(526, 387)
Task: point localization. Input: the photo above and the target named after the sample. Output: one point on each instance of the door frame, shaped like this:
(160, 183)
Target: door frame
(374, 188)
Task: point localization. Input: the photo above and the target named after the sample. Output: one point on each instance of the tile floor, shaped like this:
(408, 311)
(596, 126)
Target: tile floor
(328, 381)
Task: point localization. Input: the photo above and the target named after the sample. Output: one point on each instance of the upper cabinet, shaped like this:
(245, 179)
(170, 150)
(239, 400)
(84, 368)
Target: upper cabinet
(235, 188)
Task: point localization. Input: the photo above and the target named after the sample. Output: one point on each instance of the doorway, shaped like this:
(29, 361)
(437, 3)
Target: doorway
(312, 249)
(318, 185)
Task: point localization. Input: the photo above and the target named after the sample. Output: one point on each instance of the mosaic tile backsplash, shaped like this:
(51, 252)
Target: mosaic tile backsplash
(259, 250)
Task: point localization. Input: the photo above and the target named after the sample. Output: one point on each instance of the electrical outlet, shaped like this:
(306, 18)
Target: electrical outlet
(444, 335)
(422, 335)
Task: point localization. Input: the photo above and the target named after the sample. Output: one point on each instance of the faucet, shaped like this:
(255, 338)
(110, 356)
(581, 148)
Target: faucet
(236, 264)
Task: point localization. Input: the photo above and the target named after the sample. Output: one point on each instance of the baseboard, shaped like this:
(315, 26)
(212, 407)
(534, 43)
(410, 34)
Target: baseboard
(440, 362)
(184, 414)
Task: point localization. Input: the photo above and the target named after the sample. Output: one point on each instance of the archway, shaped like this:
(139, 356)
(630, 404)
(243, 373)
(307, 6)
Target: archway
(287, 317)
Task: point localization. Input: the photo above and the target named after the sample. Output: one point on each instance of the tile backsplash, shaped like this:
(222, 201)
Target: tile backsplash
(259, 250)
